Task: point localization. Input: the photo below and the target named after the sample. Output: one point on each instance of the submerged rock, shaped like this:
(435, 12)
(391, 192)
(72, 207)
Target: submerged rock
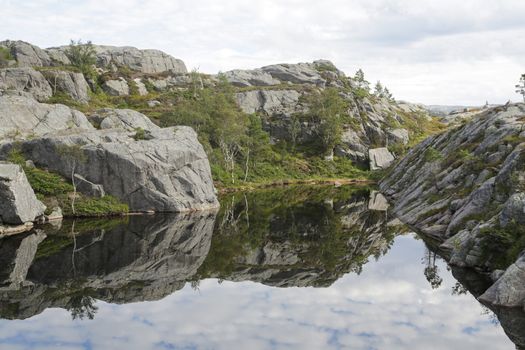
(18, 203)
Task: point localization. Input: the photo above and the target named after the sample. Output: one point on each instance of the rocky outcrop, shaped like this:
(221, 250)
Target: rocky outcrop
(255, 77)
(145, 61)
(25, 80)
(18, 203)
(27, 55)
(465, 188)
(168, 172)
(370, 121)
(21, 116)
(269, 102)
(72, 84)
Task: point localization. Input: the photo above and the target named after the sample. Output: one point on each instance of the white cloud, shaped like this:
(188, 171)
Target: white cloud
(455, 52)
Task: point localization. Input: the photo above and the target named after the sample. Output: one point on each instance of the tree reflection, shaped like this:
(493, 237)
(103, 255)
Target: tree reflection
(431, 271)
(82, 307)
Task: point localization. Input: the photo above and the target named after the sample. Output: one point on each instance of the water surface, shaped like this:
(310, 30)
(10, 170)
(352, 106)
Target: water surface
(295, 268)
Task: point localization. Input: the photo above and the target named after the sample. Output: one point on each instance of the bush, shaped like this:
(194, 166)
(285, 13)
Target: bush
(5, 57)
(82, 55)
(432, 155)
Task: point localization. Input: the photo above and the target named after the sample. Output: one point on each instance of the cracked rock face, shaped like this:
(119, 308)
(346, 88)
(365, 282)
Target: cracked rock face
(25, 80)
(168, 172)
(22, 116)
(465, 188)
(18, 203)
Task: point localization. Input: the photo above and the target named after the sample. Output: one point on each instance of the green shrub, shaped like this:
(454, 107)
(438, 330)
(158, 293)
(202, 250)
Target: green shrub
(432, 155)
(105, 206)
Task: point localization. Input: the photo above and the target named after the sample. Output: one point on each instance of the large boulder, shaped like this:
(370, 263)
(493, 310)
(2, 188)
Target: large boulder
(18, 203)
(118, 87)
(25, 80)
(126, 119)
(22, 116)
(27, 55)
(71, 83)
(380, 158)
(168, 172)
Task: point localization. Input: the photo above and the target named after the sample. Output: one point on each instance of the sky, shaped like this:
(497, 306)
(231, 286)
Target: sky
(434, 51)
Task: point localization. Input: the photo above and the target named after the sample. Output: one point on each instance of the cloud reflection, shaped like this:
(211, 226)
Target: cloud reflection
(390, 305)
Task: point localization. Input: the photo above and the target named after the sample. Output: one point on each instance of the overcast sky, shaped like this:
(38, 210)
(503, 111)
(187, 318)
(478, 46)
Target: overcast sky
(434, 52)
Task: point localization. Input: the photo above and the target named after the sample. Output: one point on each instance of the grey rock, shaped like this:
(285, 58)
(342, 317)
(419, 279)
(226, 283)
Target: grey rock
(398, 136)
(377, 201)
(26, 80)
(89, 188)
(25, 116)
(255, 77)
(126, 119)
(509, 289)
(140, 87)
(18, 202)
(24, 257)
(514, 210)
(153, 103)
(71, 83)
(380, 158)
(169, 173)
(56, 214)
(27, 55)
(145, 61)
(30, 164)
(300, 73)
(268, 101)
(118, 87)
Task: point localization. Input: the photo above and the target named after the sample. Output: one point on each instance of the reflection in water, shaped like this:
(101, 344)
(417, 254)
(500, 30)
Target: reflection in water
(292, 237)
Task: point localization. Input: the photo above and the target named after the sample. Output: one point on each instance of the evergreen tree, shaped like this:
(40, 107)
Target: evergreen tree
(378, 89)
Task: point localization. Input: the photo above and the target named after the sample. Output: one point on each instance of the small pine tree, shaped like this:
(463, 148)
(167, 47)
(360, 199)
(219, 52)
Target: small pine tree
(378, 89)
(520, 87)
(359, 78)
(82, 55)
(387, 94)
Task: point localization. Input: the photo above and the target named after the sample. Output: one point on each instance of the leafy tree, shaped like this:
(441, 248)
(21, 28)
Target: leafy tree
(520, 87)
(82, 56)
(327, 109)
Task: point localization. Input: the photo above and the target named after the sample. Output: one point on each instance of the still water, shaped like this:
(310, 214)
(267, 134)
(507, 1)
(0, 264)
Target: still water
(294, 268)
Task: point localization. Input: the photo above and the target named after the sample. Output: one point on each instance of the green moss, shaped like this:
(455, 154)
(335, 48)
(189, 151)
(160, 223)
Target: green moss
(502, 245)
(92, 207)
(47, 183)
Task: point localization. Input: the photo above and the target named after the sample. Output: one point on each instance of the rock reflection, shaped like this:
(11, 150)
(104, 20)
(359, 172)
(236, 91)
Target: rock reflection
(120, 261)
